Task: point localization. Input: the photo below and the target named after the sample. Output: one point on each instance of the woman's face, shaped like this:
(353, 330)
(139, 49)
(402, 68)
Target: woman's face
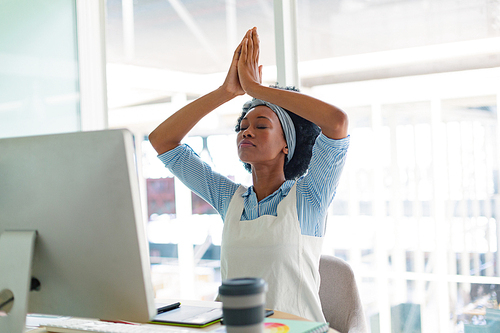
(261, 138)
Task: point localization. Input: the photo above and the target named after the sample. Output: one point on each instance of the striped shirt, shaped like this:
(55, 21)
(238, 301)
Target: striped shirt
(315, 190)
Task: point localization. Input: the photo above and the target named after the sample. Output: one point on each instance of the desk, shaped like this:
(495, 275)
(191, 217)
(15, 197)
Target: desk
(277, 314)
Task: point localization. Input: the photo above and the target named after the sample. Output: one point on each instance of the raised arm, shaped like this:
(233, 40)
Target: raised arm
(170, 133)
(332, 120)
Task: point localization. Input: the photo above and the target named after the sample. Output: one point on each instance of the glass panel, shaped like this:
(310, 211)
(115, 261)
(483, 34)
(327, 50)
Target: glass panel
(338, 28)
(193, 36)
(38, 68)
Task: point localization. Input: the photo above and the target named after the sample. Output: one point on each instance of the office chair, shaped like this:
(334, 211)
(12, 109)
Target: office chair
(339, 296)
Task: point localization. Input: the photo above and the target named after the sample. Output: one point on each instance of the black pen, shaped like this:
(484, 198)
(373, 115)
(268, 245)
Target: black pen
(169, 307)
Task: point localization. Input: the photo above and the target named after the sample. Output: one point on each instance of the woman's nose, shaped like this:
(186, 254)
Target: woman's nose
(247, 133)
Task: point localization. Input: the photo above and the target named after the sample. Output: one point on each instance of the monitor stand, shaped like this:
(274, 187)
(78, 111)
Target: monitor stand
(16, 254)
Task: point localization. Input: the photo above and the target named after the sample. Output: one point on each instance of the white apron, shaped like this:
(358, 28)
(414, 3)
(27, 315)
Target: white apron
(273, 248)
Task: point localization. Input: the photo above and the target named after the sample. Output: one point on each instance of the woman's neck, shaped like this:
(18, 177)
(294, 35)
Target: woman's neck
(266, 182)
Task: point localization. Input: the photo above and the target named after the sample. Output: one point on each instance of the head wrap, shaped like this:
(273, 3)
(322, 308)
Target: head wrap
(285, 120)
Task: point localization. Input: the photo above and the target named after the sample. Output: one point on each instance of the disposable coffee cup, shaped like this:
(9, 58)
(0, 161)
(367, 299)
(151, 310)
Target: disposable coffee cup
(243, 304)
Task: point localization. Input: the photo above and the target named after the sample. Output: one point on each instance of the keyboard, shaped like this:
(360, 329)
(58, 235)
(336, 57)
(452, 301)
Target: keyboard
(73, 325)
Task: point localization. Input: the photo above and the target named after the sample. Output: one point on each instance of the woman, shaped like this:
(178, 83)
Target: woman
(273, 229)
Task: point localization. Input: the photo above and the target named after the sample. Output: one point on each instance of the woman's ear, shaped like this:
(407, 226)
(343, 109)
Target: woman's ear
(285, 150)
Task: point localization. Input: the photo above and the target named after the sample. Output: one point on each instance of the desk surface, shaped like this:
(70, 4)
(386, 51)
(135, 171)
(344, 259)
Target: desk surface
(277, 314)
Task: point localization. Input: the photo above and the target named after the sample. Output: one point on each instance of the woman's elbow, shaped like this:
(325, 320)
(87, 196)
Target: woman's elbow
(161, 142)
(158, 142)
(337, 125)
(343, 122)
(153, 139)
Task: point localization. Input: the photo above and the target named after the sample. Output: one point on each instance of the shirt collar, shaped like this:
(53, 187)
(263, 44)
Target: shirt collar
(282, 190)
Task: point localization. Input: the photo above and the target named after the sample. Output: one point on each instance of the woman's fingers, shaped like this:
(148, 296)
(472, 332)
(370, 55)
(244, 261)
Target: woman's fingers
(249, 71)
(250, 52)
(244, 50)
(256, 45)
(239, 50)
(237, 53)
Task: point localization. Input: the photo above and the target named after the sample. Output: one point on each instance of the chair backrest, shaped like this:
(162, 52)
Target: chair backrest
(339, 296)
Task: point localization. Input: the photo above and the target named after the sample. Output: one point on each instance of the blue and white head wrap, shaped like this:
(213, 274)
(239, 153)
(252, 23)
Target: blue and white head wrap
(285, 120)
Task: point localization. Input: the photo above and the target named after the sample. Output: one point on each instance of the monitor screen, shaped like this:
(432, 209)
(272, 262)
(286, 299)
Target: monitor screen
(80, 192)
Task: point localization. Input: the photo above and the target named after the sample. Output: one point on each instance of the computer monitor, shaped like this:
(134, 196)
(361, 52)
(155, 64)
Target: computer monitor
(80, 193)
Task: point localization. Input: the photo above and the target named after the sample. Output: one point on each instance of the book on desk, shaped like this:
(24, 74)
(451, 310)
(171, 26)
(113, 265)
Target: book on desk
(275, 325)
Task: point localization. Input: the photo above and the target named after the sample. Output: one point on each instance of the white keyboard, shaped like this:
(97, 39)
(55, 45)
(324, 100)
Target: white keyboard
(83, 325)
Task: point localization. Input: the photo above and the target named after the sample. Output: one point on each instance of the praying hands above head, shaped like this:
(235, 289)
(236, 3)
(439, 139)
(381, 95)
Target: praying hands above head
(244, 70)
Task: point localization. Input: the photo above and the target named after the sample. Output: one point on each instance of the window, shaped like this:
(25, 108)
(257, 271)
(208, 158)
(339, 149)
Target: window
(39, 78)
(419, 80)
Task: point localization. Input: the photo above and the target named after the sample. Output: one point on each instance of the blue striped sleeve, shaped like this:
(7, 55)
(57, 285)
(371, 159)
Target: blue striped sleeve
(316, 190)
(199, 177)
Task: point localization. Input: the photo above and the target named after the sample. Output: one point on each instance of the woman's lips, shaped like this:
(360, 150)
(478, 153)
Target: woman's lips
(246, 143)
